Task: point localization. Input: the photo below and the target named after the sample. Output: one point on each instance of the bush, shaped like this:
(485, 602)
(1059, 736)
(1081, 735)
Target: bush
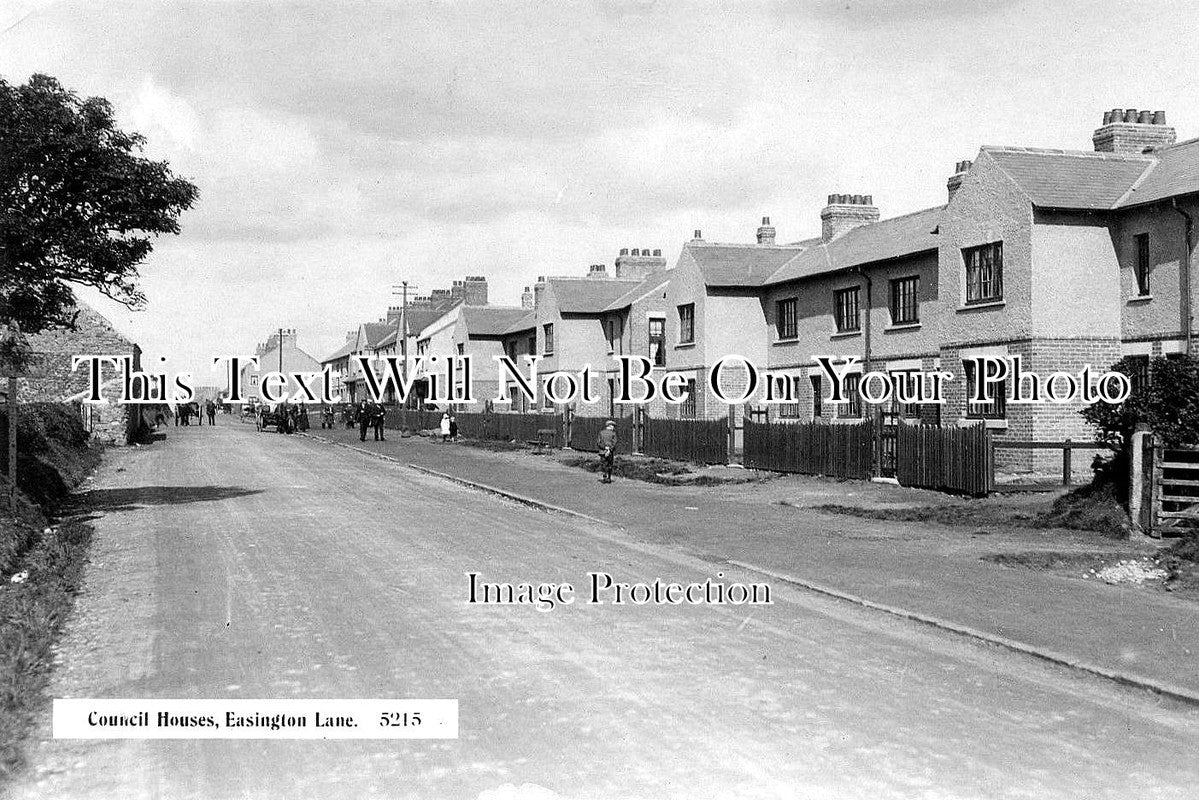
(1168, 405)
(53, 452)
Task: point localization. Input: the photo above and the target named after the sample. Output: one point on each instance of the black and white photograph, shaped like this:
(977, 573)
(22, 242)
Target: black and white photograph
(599, 400)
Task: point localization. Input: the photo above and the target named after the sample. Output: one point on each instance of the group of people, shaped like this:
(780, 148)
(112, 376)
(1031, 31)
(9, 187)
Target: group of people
(185, 411)
(370, 415)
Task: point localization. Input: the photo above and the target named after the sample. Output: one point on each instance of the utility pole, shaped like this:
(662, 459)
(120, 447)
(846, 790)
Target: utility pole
(402, 326)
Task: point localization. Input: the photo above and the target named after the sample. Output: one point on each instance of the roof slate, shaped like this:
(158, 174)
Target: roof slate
(1071, 178)
(881, 241)
(1175, 172)
(495, 320)
(589, 295)
(740, 264)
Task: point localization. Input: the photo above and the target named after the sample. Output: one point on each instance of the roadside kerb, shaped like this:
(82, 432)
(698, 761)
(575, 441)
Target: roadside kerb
(519, 498)
(1165, 690)
(1173, 692)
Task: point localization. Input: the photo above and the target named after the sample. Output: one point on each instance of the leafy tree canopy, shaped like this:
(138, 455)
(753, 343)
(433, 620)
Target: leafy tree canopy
(78, 203)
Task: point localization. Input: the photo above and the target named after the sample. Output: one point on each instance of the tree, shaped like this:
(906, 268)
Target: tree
(78, 203)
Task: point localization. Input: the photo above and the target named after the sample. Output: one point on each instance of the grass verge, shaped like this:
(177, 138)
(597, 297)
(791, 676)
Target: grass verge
(31, 615)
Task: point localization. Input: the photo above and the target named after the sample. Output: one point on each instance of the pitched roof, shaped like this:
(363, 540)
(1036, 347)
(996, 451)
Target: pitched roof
(377, 331)
(495, 320)
(880, 241)
(651, 283)
(341, 352)
(1070, 178)
(739, 264)
(1175, 171)
(589, 295)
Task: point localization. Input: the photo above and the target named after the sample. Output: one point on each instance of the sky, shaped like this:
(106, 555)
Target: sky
(342, 147)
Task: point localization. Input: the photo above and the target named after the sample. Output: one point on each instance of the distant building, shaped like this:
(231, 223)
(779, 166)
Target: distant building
(279, 353)
(51, 379)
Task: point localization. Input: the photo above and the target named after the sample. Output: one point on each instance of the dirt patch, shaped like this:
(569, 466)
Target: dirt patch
(967, 515)
(662, 471)
(1181, 562)
(1114, 568)
(1088, 508)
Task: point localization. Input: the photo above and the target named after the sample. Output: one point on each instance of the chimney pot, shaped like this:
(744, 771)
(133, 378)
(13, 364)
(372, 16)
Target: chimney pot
(1159, 117)
(765, 220)
(699, 235)
(1130, 115)
(624, 251)
(1145, 118)
(657, 253)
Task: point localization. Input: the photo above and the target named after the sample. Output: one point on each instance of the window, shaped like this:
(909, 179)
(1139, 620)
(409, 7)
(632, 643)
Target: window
(996, 405)
(790, 410)
(548, 329)
(657, 341)
(614, 336)
(911, 385)
(817, 398)
(687, 323)
(984, 273)
(510, 350)
(1142, 240)
(786, 318)
(853, 408)
(845, 307)
(1138, 372)
(905, 305)
(533, 345)
(687, 407)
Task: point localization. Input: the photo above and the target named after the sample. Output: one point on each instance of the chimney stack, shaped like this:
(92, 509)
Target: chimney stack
(598, 271)
(766, 232)
(640, 265)
(699, 236)
(526, 298)
(955, 180)
(457, 290)
(845, 212)
(1132, 132)
(475, 290)
(538, 290)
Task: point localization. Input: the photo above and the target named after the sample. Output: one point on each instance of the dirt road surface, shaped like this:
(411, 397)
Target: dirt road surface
(230, 564)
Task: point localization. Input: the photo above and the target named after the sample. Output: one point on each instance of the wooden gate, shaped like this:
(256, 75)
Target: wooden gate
(1175, 491)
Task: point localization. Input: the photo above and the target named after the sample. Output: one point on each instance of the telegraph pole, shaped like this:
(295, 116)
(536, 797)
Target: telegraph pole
(402, 325)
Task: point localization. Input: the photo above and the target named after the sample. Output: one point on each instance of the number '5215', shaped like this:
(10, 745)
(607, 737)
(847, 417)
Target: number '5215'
(395, 719)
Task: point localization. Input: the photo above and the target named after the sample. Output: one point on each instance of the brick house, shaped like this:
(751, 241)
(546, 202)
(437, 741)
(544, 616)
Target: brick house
(1065, 258)
(588, 321)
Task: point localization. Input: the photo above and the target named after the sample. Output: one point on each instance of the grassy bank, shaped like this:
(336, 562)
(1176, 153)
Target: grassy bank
(41, 564)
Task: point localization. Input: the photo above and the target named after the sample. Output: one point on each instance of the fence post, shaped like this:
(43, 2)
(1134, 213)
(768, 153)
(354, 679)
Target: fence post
(1136, 480)
(1067, 463)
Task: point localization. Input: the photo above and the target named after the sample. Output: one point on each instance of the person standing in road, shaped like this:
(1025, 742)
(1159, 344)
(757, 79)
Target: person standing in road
(445, 427)
(606, 444)
(363, 412)
(210, 407)
(453, 428)
(378, 416)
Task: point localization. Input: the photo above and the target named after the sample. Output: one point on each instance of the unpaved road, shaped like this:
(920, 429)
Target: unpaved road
(229, 564)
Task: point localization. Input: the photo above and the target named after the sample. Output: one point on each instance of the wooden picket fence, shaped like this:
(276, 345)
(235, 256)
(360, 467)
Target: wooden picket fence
(701, 441)
(585, 430)
(510, 427)
(948, 459)
(810, 448)
(412, 419)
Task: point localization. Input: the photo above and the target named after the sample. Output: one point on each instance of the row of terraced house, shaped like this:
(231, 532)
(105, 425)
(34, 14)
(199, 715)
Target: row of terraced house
(1064, 257)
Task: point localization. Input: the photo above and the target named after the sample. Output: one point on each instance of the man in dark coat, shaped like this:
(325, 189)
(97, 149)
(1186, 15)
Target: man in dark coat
(606, 444)
(378, 415)
(363, 414)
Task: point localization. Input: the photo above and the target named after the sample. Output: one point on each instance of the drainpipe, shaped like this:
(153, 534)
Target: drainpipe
(876, 422)
(1184, 274)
